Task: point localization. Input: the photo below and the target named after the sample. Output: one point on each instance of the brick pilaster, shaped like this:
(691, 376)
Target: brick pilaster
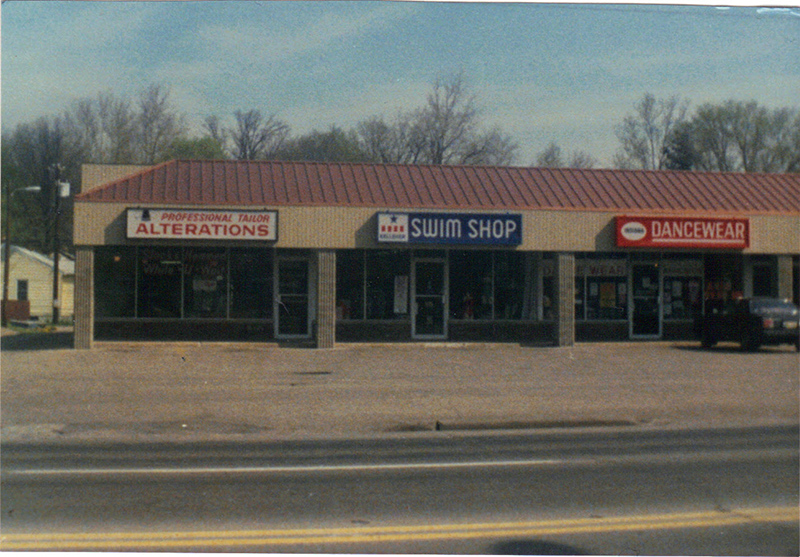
(565, 299)
(785, 277)
(326, 298)
(84, 297)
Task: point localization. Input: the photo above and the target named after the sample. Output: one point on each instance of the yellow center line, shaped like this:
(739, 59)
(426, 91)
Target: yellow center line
(238, 538)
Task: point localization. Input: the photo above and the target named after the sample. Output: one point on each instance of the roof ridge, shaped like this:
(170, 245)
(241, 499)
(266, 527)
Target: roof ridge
(125, 178)
(420, 186)
(456, 166)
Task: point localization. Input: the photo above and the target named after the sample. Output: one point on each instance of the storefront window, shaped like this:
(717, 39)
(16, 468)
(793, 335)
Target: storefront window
(159, 286)
(387, 275)
(483, 285)
(115, 281)
(601, 288)
(509, 268)
(682, 298)
(764, 277)
(580, 294)
(606, 298)
(350, 284)
(205, 283)
(723, 279)
(471, 285)
(683, 288)
(547, 268)
(251, 283)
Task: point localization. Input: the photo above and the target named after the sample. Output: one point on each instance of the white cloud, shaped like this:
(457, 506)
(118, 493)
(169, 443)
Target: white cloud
(316, 66)
(348, 108)
(56, 54)
(257, 43)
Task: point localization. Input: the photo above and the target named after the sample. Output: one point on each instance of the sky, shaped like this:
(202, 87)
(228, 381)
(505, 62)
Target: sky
(542, 73)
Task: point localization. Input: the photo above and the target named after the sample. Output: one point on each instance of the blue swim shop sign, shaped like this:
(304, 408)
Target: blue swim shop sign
(487, 229)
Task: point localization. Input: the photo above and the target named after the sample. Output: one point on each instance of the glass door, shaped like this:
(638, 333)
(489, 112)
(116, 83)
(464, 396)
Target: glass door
(646, 301)
(291, 298)
(429, 288)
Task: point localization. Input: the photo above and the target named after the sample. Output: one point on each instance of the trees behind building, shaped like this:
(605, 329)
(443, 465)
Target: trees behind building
(732, 136)
(446, 128)
(552, 157)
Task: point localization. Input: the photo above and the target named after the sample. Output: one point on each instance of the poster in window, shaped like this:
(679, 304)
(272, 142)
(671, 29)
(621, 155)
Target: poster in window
(608, 295)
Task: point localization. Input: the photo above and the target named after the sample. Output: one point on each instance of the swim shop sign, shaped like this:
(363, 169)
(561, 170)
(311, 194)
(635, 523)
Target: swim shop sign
(488, 229)
(194, 224)
(682, 232)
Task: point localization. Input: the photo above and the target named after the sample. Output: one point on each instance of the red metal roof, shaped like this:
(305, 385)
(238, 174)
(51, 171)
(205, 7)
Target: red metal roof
(272, 183)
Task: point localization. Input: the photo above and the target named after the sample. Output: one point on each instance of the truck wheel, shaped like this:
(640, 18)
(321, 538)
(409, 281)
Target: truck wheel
(749, 341)
(707, 341)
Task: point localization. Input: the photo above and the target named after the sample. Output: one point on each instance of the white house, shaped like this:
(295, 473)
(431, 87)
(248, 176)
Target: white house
(31, 278)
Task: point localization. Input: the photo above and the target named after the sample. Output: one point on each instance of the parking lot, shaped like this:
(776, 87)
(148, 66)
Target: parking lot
(150, 390)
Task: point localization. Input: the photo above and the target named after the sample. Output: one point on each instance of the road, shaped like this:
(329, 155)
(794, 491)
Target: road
(614, 490)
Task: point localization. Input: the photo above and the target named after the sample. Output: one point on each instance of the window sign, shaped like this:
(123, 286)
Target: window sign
(600, 289)
(489, 229)
(683, 268)
(601, 267)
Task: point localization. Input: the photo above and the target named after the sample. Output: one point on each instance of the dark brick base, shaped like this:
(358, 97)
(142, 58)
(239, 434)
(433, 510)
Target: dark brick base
(183, 330)
(375, 331)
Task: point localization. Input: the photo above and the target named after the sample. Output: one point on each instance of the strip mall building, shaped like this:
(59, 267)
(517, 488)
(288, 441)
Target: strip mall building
(332, 252)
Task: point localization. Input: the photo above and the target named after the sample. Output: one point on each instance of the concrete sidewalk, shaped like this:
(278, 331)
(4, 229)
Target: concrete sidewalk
(197, 391)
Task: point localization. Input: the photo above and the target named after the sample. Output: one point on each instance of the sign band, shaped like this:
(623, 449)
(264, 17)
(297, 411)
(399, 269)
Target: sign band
(199, 224)
(683, 232)
(450, 228)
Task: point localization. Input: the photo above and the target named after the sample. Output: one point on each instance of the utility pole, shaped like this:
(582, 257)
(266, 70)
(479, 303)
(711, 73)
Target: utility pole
(6, 255)
(60, 189)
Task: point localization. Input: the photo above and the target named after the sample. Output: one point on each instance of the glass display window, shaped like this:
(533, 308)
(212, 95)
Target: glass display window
(205, 272)
(682, 297)
(383, 268)
(601, 289)
(606, 298)
(159, 287)
(510, 284)
(250, 291)
(350, 284)
(471, 285)
(115, 281)
(765, 277)
(547, 271)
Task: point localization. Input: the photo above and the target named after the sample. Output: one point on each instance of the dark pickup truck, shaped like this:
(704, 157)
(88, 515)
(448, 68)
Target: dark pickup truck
(753, 322)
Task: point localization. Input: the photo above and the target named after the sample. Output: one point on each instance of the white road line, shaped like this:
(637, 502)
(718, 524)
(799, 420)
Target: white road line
(605, 460)
(49, 472)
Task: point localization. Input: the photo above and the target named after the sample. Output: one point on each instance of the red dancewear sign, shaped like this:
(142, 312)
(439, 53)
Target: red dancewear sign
(683, 232)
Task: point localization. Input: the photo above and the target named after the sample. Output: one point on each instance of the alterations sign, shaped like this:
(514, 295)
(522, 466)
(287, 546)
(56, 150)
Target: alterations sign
(202, 224)
(683, 232)
(490, 229)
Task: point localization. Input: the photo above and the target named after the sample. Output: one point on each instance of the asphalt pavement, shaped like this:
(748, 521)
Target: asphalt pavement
(156, 391)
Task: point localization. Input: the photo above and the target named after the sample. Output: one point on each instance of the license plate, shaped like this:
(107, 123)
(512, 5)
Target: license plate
(790, 324)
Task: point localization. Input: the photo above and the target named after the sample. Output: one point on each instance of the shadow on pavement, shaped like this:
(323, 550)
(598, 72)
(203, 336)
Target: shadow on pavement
(19, 342)
(734, 348)
(533, 547)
